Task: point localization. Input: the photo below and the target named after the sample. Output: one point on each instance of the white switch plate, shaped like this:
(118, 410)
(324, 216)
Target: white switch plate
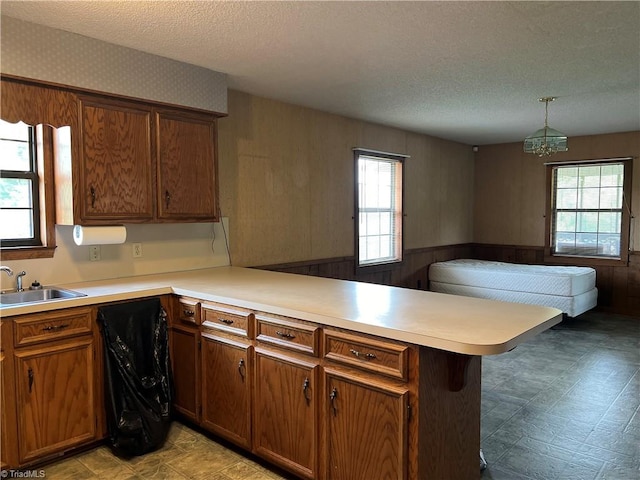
(94, 253)
(137, 250)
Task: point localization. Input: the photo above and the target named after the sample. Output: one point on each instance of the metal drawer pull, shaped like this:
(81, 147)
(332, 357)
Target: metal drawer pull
(285, 335)
(225, 320)
(366, 356)
(55, 328)
(189, 313)
(305, 390)
(30, 375)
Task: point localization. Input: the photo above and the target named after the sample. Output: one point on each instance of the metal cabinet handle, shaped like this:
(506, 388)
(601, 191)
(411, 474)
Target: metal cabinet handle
(305, 390)
(366, 356)
(225, 320)
(241, 368)
(167, 198)
(93, 197)
(189, 313)
(332, 398)
(55, 328)
(30, 375)
(286, 335)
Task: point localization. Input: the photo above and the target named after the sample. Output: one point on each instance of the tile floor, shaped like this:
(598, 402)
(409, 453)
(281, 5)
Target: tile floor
(565, 405)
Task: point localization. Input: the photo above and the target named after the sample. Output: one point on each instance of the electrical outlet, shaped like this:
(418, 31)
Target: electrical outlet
(137, 250)
(94, 253)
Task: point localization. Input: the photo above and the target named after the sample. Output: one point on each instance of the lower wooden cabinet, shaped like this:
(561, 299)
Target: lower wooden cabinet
(226, 388)
(366, 423)
(185, 360)
(286, 411)
(3, 411)
(55, 397)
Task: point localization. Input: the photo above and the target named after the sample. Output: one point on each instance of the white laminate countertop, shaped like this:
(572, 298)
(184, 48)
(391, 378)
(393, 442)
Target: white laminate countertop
(459, 324)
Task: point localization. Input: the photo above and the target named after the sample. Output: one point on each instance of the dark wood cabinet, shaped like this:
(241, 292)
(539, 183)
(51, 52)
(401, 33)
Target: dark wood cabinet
(226, 388)
(185, 356)
(115, 161)
(286, 411)
(187, 187)
(367, 428)
(55, 397)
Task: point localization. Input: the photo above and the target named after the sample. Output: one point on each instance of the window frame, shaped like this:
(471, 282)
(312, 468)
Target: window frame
(399, 234)
(625, 227)
(45, 147)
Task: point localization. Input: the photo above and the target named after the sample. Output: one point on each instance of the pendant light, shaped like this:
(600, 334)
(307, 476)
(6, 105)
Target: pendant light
(546, 141)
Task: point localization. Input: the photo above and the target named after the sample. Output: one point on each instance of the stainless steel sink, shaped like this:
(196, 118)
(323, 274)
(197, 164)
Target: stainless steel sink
(41, 295)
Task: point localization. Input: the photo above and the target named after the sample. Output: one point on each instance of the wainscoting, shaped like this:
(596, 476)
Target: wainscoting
(618, 286)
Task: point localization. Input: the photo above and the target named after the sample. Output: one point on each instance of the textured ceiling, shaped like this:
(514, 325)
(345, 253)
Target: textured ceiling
(466, 71)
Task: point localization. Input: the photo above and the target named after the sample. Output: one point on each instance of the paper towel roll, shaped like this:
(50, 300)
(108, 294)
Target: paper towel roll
(99, 235)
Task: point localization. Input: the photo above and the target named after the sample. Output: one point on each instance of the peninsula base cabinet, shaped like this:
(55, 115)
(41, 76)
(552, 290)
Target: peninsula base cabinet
(226, 388)
(329, 404)
(286, 412)
(367, 428)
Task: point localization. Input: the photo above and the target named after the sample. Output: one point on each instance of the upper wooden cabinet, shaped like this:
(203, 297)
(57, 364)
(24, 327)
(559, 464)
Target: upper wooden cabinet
(186, 167)
(121, 160)
(138, 164)
(115, 162)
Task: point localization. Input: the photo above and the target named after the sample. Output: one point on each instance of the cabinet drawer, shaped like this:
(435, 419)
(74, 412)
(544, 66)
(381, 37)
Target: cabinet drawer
(287, 334)
(226, 319)
(54, 325)
(188, 311)
(367, 354)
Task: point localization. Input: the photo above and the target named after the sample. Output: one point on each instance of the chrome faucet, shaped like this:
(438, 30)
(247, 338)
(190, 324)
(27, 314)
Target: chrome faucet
(6, 270)
(19, 281)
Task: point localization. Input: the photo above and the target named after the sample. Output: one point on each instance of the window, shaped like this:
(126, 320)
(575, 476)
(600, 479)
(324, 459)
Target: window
(589, 214)
(379, 207)
(19, 186)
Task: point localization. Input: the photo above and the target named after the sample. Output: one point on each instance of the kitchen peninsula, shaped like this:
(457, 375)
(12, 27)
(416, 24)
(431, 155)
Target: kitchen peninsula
(327, 378)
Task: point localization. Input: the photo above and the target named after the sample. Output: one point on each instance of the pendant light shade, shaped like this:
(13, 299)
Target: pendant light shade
(547, 140)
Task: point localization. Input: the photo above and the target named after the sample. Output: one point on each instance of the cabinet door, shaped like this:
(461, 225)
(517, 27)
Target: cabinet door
(226, 388)
(285, 417)
(366, 428)
(187, 186)
(55, 390)
(116, 156)
(185, 358)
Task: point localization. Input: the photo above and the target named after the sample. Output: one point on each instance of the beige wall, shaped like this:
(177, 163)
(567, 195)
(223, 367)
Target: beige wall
(287, 182)
(509, 201)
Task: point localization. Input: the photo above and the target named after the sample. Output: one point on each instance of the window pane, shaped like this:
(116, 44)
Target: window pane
(14, 131)
(385, 246)
(567, 177)
(587, 243)
(373, 223)
(589, 177)
(566, 221)
(589, 198)
(609, 245)
(612, 175)
(14, 156)
(587, 222)
(565, 241)
(611, 197)
(385, 223)
(609, 222)
(16, 224)
(15, 193)
(373, 248)
(567, 198)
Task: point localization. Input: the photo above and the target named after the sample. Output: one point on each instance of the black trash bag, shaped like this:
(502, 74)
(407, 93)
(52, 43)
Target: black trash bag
(138, 378)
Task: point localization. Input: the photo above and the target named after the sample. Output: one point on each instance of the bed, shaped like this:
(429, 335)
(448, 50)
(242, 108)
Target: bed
(570, 289)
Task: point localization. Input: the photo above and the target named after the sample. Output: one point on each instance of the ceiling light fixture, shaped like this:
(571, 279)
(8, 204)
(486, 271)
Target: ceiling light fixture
(546, 141)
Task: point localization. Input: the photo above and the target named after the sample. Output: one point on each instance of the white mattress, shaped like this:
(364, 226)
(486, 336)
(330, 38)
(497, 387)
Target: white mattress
(571, 305)
(542, 279)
